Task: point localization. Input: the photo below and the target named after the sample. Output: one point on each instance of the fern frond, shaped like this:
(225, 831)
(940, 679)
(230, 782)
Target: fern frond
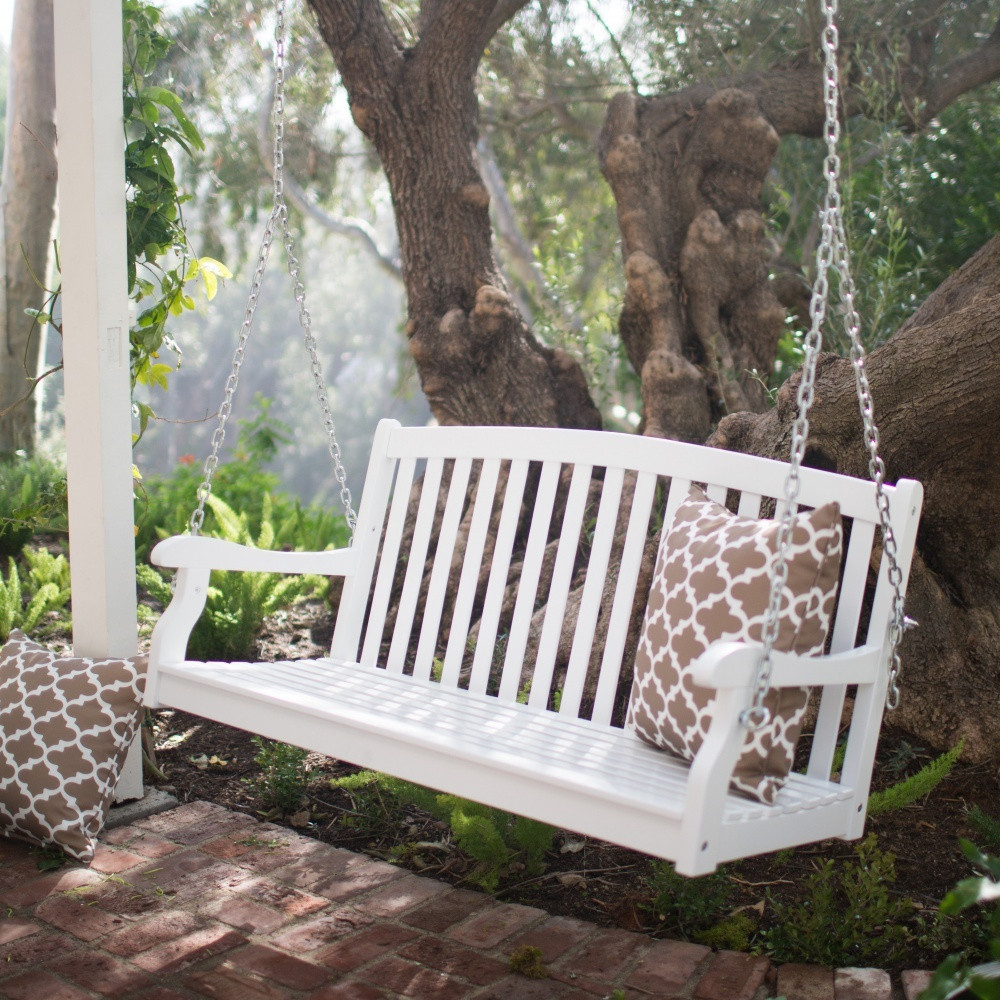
(918, 785)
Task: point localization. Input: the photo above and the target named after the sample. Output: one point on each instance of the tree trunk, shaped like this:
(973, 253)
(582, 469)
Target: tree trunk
(478, 362)
(935, 386)
(27, 208)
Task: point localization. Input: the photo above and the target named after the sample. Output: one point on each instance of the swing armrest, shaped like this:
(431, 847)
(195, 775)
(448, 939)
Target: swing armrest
(733, 664)
(201, 552)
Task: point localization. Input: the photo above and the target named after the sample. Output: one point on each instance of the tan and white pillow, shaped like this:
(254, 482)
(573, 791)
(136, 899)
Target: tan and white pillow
(712, 582)
(66, 724)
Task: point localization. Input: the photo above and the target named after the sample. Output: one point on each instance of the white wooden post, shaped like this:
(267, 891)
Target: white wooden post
(92, 243)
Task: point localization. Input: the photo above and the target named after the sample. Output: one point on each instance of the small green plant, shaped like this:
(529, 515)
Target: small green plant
(284, 775)
(687, 906)
(237, 603)
(987, 828)
(955, 975)
(492, 837)
(917, 786)
(844, 902)
(24, 608)
(527, 961)
(32, 500)
(732, 933)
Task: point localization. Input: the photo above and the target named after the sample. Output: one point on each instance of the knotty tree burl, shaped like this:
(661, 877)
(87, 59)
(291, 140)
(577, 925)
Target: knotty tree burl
(701, 310)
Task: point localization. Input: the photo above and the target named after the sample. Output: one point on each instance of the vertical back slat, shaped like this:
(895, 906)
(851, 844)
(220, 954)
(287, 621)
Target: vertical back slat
(621, 611)
(679, 489)
(562, 576)
(466, 595)
(416, 558)
(843, 638)
(447, 537)
(716, 492)
(489, 623)
(749, 504)
(387, 564)
(527, 587)
(367, 533)
(593, 591)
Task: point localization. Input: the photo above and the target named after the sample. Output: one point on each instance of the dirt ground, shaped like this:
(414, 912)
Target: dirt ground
(590, 879)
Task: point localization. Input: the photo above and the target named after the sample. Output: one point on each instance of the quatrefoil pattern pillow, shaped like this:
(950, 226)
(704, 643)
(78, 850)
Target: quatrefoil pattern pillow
(66, 724)
(712, 582)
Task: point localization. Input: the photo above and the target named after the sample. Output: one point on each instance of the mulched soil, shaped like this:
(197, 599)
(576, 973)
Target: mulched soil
(584, 878)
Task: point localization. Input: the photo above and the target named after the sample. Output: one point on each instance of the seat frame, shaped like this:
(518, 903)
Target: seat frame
(423, 695)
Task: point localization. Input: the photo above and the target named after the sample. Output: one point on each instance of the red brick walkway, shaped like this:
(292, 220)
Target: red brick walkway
(201, 902)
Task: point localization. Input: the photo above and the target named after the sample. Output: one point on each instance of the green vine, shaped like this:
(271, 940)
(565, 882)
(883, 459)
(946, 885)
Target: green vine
(161, 263)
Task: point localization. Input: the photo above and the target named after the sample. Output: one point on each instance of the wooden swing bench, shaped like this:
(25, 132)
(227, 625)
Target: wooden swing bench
(425, 698)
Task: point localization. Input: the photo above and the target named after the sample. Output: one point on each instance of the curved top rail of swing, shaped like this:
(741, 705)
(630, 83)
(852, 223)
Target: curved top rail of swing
(204, 552)
(614, 449)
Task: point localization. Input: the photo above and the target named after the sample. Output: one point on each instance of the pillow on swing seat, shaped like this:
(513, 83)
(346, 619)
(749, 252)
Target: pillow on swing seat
(66, 724)
(712, 582)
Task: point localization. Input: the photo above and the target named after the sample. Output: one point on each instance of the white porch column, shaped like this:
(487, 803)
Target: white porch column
(92, 245)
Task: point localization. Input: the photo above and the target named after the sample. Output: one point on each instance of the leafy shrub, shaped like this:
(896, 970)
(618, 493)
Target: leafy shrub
(32, 500)
(955, 975)
(492, 837)
(283, 777)
(237, 603)
(687, 906)
(843, 904)
(917, 786)
(23, 607)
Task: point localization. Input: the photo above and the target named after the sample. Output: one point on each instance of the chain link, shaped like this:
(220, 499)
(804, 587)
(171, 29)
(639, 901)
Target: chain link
(831, 253)
(278, 216)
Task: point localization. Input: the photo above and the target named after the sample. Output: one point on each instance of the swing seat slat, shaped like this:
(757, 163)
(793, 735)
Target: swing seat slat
(480, 711)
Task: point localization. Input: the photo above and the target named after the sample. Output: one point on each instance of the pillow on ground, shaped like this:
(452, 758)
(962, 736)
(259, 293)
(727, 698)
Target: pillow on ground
(66, 724)
(712, 582)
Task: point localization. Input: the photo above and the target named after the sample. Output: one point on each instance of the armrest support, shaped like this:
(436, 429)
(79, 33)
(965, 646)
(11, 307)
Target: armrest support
(733, 664)
(201, 552)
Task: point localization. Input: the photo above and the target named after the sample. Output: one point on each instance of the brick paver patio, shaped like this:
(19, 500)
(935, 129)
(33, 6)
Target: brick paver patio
(200, 902)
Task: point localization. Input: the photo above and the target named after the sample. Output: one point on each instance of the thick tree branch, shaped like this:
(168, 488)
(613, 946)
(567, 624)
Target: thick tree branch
(459, 31)
(366, 51)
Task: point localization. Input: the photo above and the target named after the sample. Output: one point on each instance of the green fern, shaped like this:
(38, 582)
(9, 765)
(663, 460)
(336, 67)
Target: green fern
(13, 611)
(492, 837)
(917, 786)
(237, 603)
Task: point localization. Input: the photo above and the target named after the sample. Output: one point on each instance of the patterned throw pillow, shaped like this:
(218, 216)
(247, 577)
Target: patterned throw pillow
(66, 724)
(712, 582)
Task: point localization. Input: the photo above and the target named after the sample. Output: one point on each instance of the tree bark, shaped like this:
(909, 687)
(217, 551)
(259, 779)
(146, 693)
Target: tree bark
(27, 209)
(478, 362)
(935, 386)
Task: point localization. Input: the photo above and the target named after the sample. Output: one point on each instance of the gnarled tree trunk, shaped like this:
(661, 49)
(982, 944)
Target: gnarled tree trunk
(478, 361)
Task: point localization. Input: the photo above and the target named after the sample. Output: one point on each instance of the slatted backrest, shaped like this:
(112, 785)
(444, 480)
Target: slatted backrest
(482, 558)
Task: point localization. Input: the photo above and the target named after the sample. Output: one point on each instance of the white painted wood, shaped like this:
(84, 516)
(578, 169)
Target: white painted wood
(216, 553)
(489, 623)
(387, 566)
(562, 574)
(416, 560)
(88, 58)
(593, 590)
(434, 605)
(582, 774)
(465, 597)
(628, 574)
(527, 587)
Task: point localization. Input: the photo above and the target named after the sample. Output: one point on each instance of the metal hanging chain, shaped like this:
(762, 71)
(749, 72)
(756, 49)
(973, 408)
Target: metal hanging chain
(831, 252)
(278, 216)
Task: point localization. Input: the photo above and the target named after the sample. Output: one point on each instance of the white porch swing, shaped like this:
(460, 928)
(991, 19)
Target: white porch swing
(423, 696)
